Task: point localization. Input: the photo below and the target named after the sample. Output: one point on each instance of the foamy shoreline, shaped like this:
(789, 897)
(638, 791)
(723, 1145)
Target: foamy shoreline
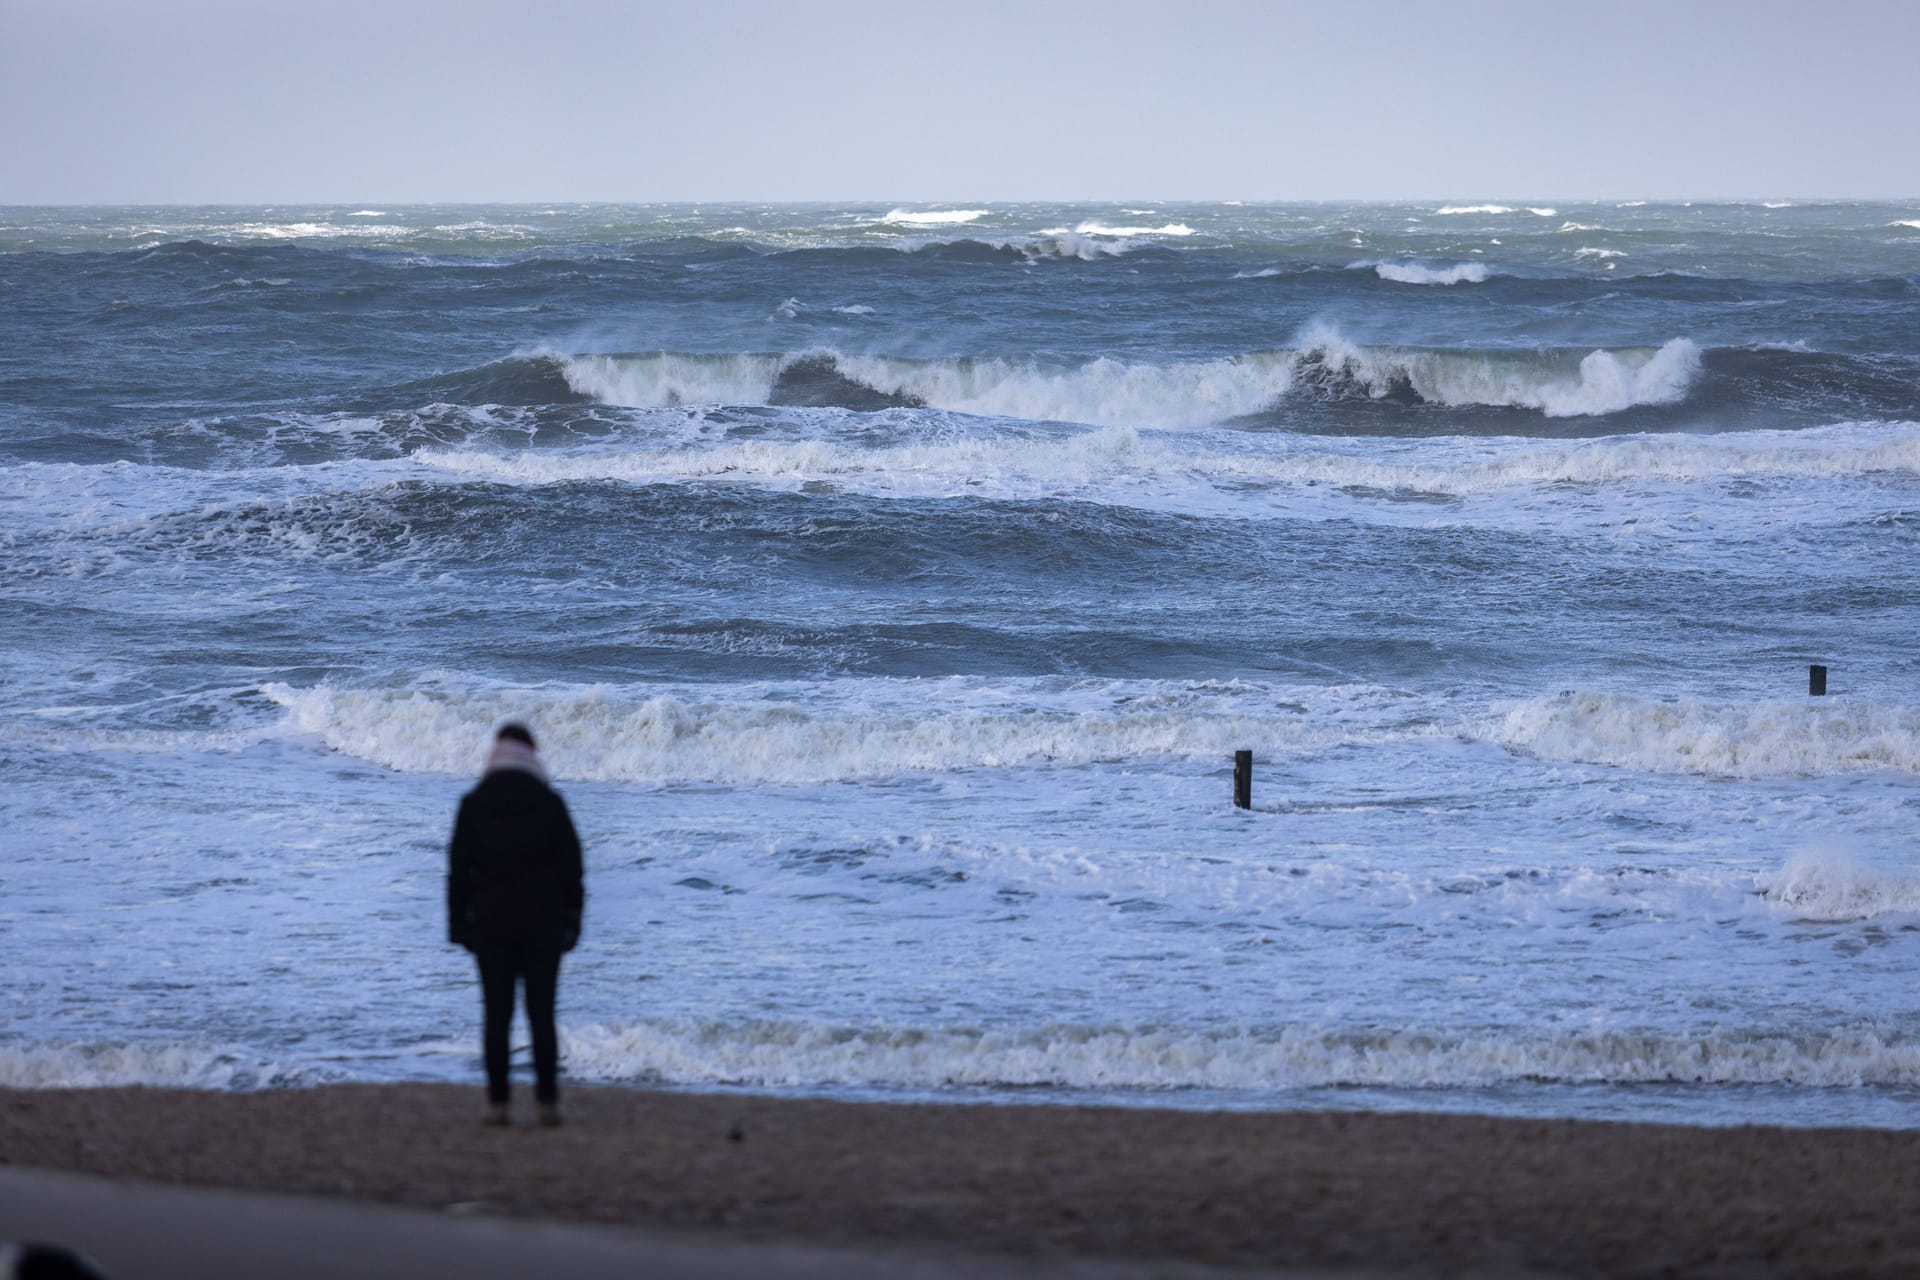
(1426, 1194)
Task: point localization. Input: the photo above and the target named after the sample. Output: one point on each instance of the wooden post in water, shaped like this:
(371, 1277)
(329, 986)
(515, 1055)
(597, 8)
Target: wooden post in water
(1816, 681)
(1243, 779)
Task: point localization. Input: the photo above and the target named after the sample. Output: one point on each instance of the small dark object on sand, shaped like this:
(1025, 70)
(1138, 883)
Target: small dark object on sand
(736, 1134)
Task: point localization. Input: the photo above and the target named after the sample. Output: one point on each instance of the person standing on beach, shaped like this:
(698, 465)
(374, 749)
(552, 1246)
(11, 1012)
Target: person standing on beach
(515, 891)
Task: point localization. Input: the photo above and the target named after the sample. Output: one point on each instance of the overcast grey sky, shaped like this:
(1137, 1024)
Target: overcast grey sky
(199, 101)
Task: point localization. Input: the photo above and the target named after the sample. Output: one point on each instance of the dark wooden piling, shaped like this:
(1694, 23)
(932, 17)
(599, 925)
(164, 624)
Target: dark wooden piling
(1243, 779)
(1817, 681)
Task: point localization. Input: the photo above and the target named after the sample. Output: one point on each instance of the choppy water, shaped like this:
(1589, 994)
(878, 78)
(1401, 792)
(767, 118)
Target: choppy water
(891, 587)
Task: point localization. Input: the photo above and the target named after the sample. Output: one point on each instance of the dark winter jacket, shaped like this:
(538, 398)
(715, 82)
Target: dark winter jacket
(513, 869)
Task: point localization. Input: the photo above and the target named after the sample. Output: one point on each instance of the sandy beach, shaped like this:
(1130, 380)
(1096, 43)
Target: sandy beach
(1412, 1194)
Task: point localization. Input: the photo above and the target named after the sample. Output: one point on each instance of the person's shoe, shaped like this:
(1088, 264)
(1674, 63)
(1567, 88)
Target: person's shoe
(496, 1117)
(550, 1115)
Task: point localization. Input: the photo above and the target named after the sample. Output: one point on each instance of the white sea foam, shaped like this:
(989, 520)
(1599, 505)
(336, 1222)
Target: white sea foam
(96, 1066)
(1581, 226)
(1544, 212)
(1112, 462)
(1776, 204)
(934, 217)
(1589, 251)
(780, 1054)
(1828, 885)
(1103, 229)
(308, 230)
(857, 309)
(1475, 208)
(1907, 222)
(1415, 273)
(876, 730)
(1687, 736)
(488, 230)
(1262, 274)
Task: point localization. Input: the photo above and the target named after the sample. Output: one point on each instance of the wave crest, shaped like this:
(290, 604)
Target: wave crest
(778, 1054)
(1415, 273)
(1737, 740)
(1108, 392)
(1602, 382)
(600, 734)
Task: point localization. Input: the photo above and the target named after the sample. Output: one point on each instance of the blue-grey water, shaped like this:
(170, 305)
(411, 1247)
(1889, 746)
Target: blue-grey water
(891, 587)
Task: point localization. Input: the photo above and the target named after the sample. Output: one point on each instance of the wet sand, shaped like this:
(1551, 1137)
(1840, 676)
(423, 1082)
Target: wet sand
(1420, 1194)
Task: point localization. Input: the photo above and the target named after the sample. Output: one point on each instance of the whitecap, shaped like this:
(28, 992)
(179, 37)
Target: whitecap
(934, 217)
(1102, 229)
(1415, 273)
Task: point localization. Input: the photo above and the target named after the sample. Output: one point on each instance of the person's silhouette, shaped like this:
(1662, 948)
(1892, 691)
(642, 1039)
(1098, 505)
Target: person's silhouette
(515, 890)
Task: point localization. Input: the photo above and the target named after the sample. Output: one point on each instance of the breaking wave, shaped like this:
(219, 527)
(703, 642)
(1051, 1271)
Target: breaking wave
(1558, 385)
(1832, 887)
(866, 730)
(601, 734)
(1474, 208)
(102, 1066)
(1738, 740)
(781, 1054)
(1109, 392)
(1415, 273)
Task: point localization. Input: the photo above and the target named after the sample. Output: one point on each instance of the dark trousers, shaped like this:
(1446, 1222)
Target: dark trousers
(502, 967)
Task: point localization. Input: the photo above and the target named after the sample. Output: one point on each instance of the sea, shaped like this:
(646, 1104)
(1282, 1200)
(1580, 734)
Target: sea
(891, 586)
